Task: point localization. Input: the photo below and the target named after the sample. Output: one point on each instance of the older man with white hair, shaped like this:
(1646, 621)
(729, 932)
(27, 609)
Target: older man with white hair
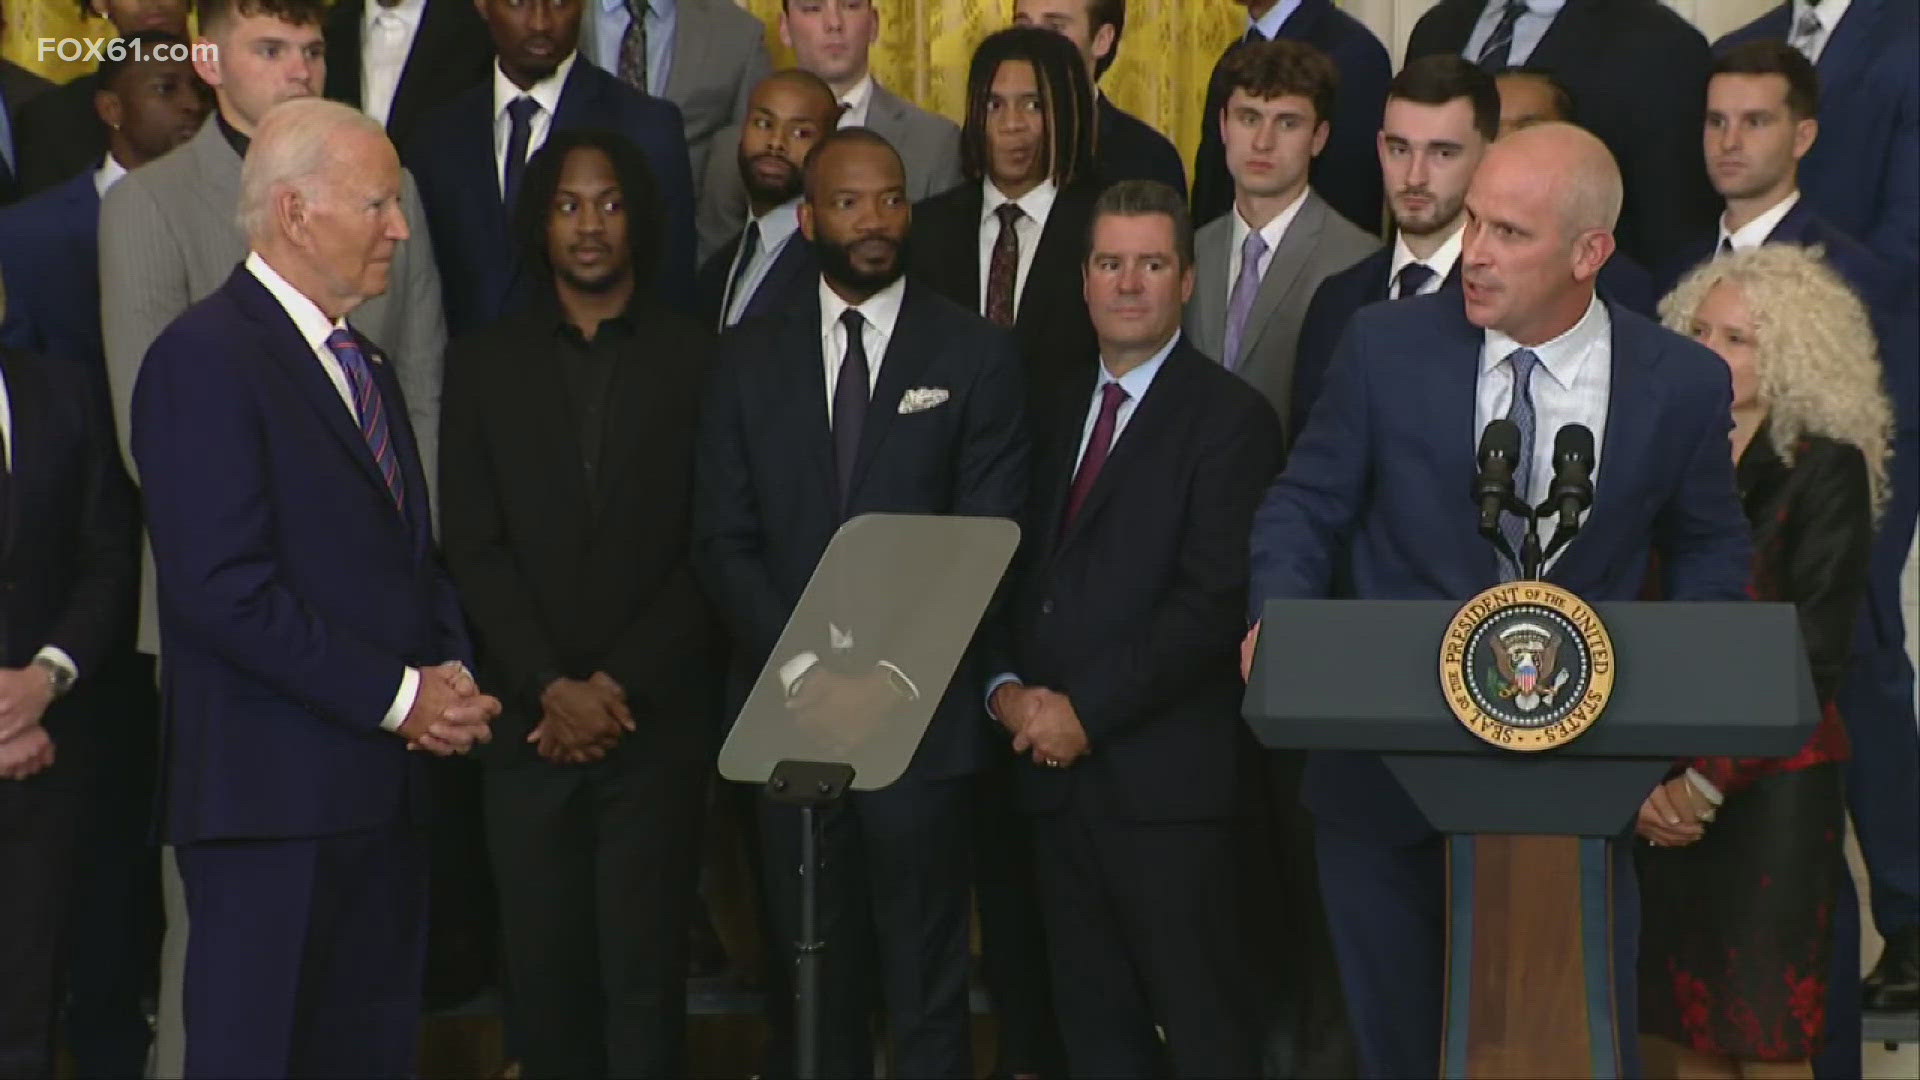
(311, 637)
(1379, 485)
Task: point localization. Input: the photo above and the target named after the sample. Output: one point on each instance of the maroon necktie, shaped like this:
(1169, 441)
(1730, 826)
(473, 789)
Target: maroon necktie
(1003, 269)
(1113, 395)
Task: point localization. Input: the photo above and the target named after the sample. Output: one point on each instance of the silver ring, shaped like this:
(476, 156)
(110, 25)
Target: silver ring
(1053, 763)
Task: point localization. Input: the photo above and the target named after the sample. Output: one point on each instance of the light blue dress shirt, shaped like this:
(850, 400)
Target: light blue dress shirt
(1276, 17)
(1527, 30)
(606, 25)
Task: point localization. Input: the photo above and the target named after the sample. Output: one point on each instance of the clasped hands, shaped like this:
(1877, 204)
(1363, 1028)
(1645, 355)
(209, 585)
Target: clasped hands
(1675, 814)
(844, 710)
(1043, 724)
(25, 746)
(581, 719)
(449, 713)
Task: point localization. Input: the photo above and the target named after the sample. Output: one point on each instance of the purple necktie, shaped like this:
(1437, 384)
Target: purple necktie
(1113, 395)
(1240, 301)
(368, 403)
(850, 398)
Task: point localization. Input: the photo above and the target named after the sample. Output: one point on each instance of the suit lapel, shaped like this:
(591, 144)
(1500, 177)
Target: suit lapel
(219, 171)
(32, 444)
(805, 377)
(406, 445)
(420, 59)
(692, 36)
(1848, 48)
(1208, 325)
(1569, 34)
(886, 115)
(1448, 372)
(1289, 260)
(1791, 228)
(899, 371)
(1152, 416)
(343, 52)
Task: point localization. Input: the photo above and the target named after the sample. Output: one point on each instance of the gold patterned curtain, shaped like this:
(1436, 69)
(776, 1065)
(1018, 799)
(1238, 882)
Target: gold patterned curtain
(1160, 76)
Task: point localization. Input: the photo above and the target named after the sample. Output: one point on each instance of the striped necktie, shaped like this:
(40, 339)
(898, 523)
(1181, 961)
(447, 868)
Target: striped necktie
(369, 406)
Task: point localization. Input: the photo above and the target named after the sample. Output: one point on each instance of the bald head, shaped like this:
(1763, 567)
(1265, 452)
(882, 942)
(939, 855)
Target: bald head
(1541, 212)
(1573, 163)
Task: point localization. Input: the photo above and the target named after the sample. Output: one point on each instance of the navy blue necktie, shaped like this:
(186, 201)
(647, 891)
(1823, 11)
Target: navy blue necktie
(1520, 411)
(850, 393)
(1497, 53)
(520, 114)
(1411, 279)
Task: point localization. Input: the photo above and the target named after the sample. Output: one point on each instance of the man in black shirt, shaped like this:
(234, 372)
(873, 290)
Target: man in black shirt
(565, 518)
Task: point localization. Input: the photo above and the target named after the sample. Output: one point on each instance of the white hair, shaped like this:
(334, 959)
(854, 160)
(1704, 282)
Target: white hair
(293, 147)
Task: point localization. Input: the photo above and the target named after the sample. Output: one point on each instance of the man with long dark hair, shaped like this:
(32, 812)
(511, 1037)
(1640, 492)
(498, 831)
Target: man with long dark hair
(565, 518)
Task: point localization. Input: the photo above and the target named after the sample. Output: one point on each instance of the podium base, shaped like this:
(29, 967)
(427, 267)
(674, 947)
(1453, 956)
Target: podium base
(1530, 979)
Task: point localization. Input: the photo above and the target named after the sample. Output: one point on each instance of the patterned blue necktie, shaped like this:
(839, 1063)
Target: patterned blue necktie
(371, 407)
(1520, 411)
(1497, 53)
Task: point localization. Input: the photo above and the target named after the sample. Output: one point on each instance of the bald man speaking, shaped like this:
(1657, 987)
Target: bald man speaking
(1376, 504)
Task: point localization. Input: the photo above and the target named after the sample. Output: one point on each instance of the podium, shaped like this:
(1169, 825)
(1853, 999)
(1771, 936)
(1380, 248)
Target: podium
(886, 618)
(1529, 980)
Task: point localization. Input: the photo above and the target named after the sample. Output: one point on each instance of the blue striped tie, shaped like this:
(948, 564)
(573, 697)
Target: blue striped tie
(369, 404)
(1520, 411)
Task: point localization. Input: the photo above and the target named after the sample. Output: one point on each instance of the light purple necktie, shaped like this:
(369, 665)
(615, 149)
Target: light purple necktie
(1240, 301)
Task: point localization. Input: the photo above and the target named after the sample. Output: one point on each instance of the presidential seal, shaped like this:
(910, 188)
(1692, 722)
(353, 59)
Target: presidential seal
(1526, 666)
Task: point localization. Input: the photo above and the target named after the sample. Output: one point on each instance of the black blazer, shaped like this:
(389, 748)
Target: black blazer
(452, 51)
(59, 135)
(1347, 172)
(1128, 148)
(566, 576)
(766, 500)
(792, 274)
(1052, 328)
(1136, 612)
(18, 86)
(1638, 75)
(481, 270)
(70, 549)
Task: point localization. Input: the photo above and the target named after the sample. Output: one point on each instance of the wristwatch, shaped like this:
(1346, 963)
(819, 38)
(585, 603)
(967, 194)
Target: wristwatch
(58, 678)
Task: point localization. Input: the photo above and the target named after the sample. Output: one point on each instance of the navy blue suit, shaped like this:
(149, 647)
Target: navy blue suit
(51, 262)
(793, 274)
(1347, 172)
(1375, 504)
(1129, 148)
(1365, 282)
(1876, 698)
(1863, 173)
(293, 593)
(895, 894)
(452, 160)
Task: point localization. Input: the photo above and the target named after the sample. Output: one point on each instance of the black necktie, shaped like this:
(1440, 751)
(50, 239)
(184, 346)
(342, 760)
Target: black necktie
(1411, 279)
(1726, 246)
(850, 401)
(749, 245)
(1496, 54)
(520, 115)
(1253, 35)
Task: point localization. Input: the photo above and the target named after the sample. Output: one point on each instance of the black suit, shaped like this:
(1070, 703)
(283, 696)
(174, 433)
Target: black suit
(1130, 149)
(1051, 323)
(766, 505)
(1134, 611)
(1638, 75)
(69, 567)
(452, 51)
(572, 560)
(59, 135)
(1347, 172)
(792, 275)
(18, 86)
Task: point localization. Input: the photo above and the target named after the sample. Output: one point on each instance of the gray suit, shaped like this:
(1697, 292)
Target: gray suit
(928, 143)
(1319, 244)
(169, 237)
(719, 56)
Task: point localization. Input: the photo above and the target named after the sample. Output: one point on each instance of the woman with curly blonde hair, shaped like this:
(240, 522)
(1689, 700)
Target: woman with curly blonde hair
(1737, 937)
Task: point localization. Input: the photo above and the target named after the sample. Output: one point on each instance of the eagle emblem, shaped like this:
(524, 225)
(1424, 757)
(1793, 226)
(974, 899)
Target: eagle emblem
(1527, 655)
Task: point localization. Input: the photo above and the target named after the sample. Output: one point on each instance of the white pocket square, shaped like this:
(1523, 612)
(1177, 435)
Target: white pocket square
(922, 398)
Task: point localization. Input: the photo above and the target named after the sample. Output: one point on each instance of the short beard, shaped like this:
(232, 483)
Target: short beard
(758, 192)
(1443, 216)
(837, 265)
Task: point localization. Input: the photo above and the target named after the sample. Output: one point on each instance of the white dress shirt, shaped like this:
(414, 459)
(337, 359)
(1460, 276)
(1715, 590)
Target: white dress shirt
(52, 654)
(1570, 385)
(386, 37)
(546, 93)
(1273, 231)
(1755, 232)
(777, 229)
(314, 326)
(1828, 13)
(1440, 262)
(107, 174)
(1035, 206)
(880, 313)
(1269, 24)
(856, 101)
(1528, 29)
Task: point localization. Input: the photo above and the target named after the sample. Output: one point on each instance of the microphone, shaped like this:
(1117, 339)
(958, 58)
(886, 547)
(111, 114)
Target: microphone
(1572, 489)
(1493, 488)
